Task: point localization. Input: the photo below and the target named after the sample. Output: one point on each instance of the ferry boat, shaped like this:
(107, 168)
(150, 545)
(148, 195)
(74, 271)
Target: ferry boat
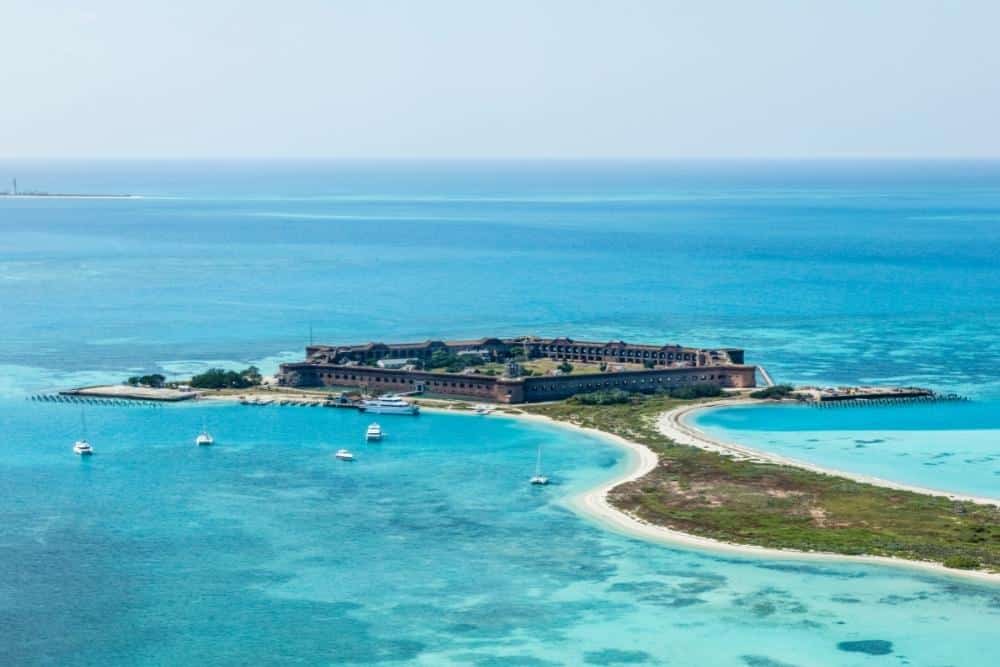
(538, 478)
(373, 433)
(389, 405)
(344, 455)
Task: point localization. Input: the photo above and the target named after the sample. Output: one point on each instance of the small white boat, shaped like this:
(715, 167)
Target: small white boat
(389, 405)
(539, 478)
(374, 432)
(344, 455)
(204, 438)
(81, 447)
(483, 409)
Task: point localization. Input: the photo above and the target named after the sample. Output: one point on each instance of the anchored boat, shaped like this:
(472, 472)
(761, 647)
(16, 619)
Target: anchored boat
(539, 478)
(204, 438)
(81, 446)
(389, 405)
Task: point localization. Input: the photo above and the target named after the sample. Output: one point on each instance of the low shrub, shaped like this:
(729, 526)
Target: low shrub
(608, 397)
(692, 391)
(777, 391)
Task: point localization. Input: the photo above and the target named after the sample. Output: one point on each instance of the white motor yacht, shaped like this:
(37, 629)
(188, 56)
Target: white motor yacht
(389, 405)
(344, 455)
(374, 432)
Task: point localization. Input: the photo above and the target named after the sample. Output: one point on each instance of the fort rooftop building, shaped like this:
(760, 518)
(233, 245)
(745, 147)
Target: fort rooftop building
(626, 366)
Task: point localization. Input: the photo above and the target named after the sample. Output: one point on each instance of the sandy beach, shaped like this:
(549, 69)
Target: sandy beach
(593, 504)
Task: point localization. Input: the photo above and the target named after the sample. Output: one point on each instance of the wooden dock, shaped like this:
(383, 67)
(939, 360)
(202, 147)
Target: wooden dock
(860, 396)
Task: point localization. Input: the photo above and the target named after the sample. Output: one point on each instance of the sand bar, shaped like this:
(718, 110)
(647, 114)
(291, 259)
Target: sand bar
(641, 460)
(675, 425)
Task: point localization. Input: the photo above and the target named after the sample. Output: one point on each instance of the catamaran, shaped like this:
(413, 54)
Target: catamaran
(538, 477)
(389, 405)
(374, 432)
(81, 446)
(204, 438)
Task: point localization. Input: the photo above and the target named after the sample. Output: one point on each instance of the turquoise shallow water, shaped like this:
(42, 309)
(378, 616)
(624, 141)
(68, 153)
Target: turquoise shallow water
(952, 447)
(430, 549)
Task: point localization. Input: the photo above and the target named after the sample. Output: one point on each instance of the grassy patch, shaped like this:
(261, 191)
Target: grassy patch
(715, 496)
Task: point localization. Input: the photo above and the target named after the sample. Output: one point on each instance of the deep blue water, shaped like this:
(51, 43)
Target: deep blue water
(431, 549)
(832, 272)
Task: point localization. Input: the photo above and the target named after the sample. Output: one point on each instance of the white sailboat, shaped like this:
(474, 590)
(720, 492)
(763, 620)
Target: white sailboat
(204, 438)
(538, 477)
(81, 446)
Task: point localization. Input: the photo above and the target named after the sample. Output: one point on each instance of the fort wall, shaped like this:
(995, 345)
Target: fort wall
(706, 367)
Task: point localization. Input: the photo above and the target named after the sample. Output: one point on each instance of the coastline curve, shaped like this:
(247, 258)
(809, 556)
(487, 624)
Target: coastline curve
(675, 425)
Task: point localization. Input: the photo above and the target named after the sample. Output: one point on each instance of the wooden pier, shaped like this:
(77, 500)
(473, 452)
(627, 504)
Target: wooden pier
(861, 396)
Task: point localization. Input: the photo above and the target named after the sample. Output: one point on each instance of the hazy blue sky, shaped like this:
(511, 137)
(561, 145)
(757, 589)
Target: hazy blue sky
(508, 78)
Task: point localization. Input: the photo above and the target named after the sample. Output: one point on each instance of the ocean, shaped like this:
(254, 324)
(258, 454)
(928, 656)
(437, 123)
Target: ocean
(430, 549)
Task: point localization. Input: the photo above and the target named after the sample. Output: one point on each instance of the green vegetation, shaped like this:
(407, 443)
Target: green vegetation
(777, 391)
(154, 380)
(454, 363)
(693, 391)
(962, 562)
(218, 378)
(707, 494)
(609, 397)
(565, 367)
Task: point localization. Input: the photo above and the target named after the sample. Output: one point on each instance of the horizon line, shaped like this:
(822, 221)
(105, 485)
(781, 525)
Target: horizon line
(607, 158)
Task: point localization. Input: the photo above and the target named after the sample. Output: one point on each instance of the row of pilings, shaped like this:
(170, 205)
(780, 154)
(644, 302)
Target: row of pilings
(887, 401)
(91, 400)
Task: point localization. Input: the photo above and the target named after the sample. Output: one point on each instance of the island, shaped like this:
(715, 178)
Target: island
(683, 486)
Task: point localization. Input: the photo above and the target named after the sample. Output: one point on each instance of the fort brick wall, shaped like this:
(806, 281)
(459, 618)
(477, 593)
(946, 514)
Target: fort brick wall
(318, 370)
(549, 388)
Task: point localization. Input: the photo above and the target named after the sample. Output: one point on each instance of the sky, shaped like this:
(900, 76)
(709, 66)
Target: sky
(499, 79)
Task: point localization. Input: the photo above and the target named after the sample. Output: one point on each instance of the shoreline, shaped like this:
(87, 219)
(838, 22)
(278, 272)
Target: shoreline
(592, 505)
(675, 426)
